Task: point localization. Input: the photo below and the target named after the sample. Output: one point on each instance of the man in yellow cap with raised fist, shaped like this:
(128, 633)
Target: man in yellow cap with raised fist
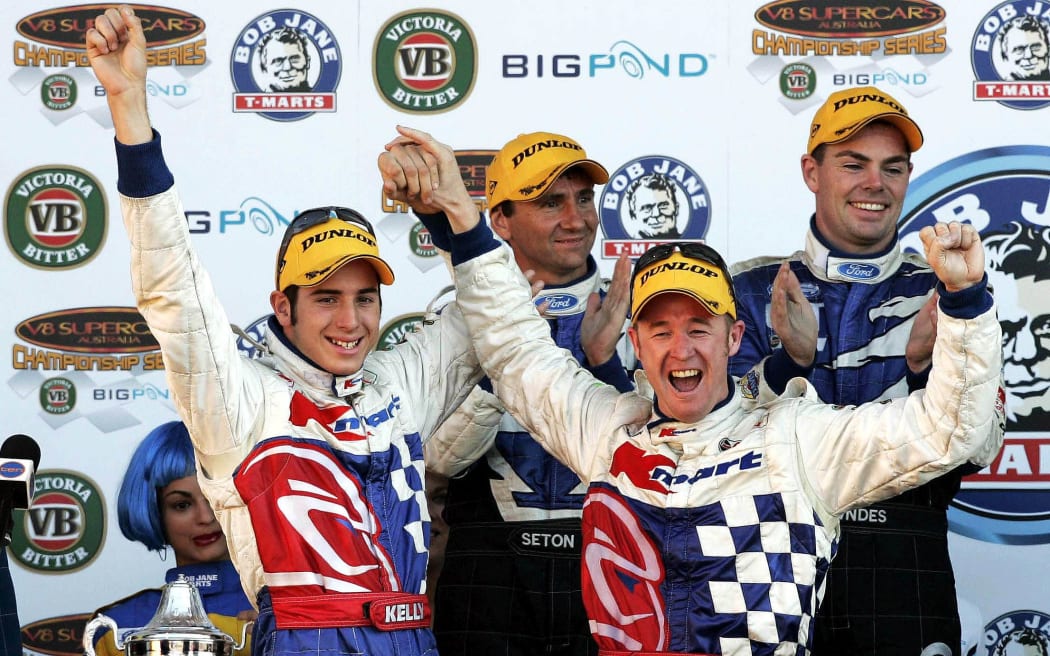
(854, 314)
(311, 456)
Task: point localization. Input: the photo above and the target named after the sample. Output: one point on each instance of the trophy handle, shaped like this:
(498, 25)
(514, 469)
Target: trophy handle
(88, 641)
(248, 626)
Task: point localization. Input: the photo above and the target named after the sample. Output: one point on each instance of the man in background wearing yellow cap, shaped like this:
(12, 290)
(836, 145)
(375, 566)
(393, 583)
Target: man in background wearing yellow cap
(709, 520)
(311, 457)
(891, 589)
(510, 583)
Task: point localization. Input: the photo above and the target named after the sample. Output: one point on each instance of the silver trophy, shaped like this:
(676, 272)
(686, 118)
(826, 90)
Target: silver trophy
(180, 626)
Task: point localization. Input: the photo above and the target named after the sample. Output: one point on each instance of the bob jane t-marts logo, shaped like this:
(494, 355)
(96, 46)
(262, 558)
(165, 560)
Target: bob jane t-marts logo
(1011, 55)
(425, 61)
(802, 28)
(56, 36)
(55, 217)
(87, 339)
(649, 201)
(1005, 193)
(1018, 632)
(64, 529)
(250, 344)
(286, 66)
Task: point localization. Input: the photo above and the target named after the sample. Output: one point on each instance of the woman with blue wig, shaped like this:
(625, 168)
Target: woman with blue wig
(160, 504)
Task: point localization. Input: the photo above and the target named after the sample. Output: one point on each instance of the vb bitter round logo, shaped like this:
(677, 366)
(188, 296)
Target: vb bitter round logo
(425, 61)
(798, 81)
(58, 396)
(420, 242)
(58, 92)
(55, 217)
(286, 66)
(396, 329)
(64, 529)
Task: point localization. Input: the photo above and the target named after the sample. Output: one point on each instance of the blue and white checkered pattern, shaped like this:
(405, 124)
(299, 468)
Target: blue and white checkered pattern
(749, 578)
(404, 502)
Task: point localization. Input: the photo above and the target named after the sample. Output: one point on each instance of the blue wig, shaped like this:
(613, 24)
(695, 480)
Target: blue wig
(165, 455)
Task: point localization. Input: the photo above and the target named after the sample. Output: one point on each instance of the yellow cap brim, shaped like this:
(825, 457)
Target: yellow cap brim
(701, 280)
(524, 190)
(315, 254)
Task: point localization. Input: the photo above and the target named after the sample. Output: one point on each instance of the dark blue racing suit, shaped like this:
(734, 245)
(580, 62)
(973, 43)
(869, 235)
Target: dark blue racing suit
(511, 579)
(891, 588)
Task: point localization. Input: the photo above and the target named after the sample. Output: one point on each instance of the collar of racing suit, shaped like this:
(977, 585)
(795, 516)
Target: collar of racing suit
(571, 298)
(696, 437)
(829, 264)
(303, 371)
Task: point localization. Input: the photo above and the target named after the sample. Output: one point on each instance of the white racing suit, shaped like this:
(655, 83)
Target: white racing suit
(316, 480)
(715, 537)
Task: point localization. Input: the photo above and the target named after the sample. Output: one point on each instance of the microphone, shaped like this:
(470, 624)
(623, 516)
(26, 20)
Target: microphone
(19, 459)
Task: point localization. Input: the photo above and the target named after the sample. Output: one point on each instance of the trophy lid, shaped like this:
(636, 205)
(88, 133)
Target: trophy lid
(180, 616)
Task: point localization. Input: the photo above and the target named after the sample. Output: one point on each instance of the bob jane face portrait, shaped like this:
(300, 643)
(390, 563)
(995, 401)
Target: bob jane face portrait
(284, 61)
(1024, 49)
(652, 202)
(1020, 279)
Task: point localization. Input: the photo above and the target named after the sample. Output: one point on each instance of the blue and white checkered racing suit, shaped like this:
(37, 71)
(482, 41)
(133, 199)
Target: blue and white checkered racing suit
(715, 537)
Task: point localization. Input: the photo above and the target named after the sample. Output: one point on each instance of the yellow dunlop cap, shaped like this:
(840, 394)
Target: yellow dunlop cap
(846, 112)
(706, 282)
(524, 168)
(317, 252)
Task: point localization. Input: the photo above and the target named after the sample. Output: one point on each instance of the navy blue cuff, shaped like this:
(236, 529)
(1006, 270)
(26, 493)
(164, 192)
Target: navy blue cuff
(779, 368)
(472, 243)
(141, 170)
(486, 384)
(612, 373)
(439, 228)
(917, 381)
(967, 303)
